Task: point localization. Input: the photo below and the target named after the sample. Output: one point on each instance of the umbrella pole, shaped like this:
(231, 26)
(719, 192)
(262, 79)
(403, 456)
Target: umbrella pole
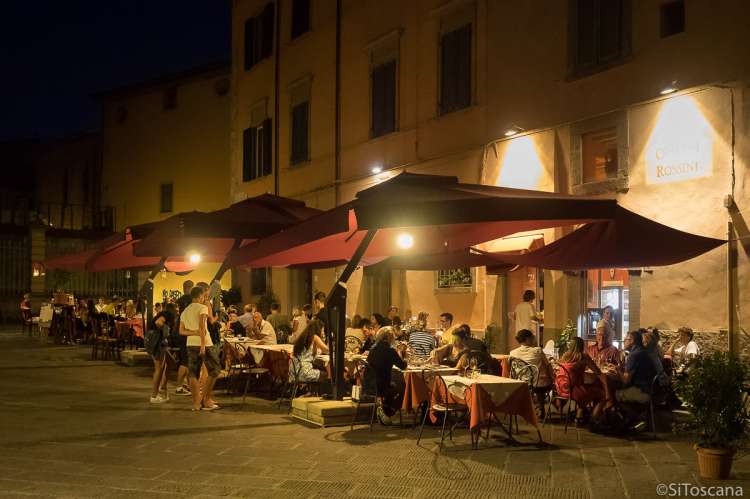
(336, 307)
(147, 292)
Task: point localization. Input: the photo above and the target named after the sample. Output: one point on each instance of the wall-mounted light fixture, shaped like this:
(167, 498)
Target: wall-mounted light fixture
(669, 89)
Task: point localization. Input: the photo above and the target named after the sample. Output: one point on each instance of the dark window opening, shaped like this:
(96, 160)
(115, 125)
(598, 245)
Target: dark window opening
(601, 33)
(256, 151)
(300, 127)
(166, 198)
(122, 114)
(258, 281)
(383, 103)
(259, 36)
(170, 98)
(300, 17)
(455, 70)
(672, 18)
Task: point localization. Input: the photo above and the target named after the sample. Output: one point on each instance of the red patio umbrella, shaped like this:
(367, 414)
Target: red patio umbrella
(438, 213)
(412, 214)
(627, 240)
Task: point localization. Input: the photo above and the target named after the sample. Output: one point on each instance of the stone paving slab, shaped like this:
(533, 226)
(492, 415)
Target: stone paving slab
(76, 428)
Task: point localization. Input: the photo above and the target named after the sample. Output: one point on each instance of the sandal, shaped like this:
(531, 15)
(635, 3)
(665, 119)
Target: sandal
(211, 407)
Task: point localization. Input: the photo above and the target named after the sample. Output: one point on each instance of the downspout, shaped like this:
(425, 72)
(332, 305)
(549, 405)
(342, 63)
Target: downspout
(276, 106)
(731, 245)
(337, 104)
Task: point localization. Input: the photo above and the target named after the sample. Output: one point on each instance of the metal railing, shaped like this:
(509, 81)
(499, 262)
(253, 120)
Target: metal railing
(22, 211)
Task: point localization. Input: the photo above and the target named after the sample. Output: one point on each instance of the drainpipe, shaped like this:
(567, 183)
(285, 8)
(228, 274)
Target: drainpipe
(276, 85)
(730, 287)
(337, 122)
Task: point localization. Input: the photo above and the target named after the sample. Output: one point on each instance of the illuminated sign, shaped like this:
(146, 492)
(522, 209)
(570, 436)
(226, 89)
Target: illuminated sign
(680, 147)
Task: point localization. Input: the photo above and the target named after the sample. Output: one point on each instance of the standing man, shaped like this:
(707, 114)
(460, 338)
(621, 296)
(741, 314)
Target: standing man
(525, 313)
(180, 341)
(193, 324)
(276, 318)
(320, 306)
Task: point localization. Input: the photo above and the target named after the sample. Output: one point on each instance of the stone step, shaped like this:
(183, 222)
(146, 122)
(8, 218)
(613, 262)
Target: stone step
(135, 357)
(322, 412)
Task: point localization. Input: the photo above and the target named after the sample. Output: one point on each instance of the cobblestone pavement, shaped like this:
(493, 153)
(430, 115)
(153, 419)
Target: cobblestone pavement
(71, 427)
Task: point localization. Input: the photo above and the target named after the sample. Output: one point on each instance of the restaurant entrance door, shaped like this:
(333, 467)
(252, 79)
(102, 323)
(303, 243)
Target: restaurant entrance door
(608, 287)
(518, 281)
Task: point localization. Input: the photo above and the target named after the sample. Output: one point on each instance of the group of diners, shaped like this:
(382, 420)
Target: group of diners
(610, 387)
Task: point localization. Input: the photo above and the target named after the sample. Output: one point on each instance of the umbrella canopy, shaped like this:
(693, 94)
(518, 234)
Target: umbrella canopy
(628, 240)
(111, 253)
(212, 234)
(436, 214)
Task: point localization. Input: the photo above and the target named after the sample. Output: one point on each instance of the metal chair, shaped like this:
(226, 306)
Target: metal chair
(295, 369)
(563, 401)
(528, 373)
(27, 321)
(252, 372)
(367, 392)
(352, 344)
(447, 408)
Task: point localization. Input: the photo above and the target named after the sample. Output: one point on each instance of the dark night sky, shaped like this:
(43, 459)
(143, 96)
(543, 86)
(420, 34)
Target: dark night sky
(55, 53)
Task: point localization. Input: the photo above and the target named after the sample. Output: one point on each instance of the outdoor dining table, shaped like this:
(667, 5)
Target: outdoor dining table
(418, 380)
(275, 358)
(504, 360)
(136, 324)
(488, 395)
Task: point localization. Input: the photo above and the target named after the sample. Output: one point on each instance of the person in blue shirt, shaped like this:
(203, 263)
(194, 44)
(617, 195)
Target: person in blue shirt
(638, 371)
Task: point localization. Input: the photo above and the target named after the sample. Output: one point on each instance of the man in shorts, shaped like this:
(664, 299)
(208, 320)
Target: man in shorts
(193, 322)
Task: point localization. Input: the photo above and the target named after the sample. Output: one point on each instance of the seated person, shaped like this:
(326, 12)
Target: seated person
(261, 332)
(637, 372)
(534, 355)
(421, 341)
(233, 324)
(446, 326)
(651, 344)
(575, 360)
(368, 331)
(356, 329)
(684, 349)
(306, 346)
(603, 351)
(381, 360)
(450, 355)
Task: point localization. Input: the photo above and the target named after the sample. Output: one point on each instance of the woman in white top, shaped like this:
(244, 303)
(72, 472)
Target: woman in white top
(607, 323)
(299, 322)
(534, 355)
(684, 349)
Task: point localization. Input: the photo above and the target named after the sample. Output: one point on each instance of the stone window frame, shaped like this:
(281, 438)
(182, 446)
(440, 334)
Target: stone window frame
(618, 120)
(382, 50)
(452, 16)
(300, 90)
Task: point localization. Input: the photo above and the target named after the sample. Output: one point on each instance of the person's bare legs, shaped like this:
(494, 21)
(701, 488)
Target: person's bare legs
(158, 376)
(208, 398)
(195, 391)
(182, 376)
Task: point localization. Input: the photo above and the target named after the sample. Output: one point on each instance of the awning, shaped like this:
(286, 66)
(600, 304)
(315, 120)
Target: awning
(627, 241)
(440, 214)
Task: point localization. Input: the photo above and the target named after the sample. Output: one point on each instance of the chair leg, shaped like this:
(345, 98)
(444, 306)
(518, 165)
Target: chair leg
(293, 395)
(442, 431)
(356, 413)
(373, 412)
(247, 384)
(566, 414)
(653, 419)
(424, 419)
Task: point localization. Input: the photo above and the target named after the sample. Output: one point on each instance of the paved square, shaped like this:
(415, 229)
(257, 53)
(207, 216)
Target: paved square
(72, 427)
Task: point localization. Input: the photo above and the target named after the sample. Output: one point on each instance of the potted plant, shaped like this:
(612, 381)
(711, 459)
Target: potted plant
(569, 332)
(714, 389)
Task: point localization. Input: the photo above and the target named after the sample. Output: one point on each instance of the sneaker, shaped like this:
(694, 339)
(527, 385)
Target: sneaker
(382, 417)
(157, 400)
(182, 391)
(640, 426)
(164, 395)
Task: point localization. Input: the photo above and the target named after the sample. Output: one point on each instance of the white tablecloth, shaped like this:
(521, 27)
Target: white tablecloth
(497, 387)
(256, 350)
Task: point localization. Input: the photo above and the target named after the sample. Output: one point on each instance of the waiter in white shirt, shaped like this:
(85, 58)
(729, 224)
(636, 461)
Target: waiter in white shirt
(525, 313)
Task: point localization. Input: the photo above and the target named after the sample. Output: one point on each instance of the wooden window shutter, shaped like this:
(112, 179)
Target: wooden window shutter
(300, 127)
(585, 33)
(448, 69)
(249, 43)
(248, 154)
(609, 29)
(463, 67)
(300, 17)
(384, 99)
(267, 21)
(267, 156)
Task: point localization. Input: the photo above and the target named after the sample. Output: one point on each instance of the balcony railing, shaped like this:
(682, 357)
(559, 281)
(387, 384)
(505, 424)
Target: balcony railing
(22, 212)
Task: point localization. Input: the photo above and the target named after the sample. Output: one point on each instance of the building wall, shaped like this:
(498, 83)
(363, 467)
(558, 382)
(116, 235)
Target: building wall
(187, 146)
(522, 77)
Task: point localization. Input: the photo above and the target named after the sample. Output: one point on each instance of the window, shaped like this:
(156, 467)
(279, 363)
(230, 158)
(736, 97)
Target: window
(455, 70)
(259, 36)
(170, 98)
(599, 155)
(300, 17)
(383, 111)
(600, 34)
(256, 151)
(672, 17)
(455, 279)
(300, 133)
(166, 198)
(258, 281)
